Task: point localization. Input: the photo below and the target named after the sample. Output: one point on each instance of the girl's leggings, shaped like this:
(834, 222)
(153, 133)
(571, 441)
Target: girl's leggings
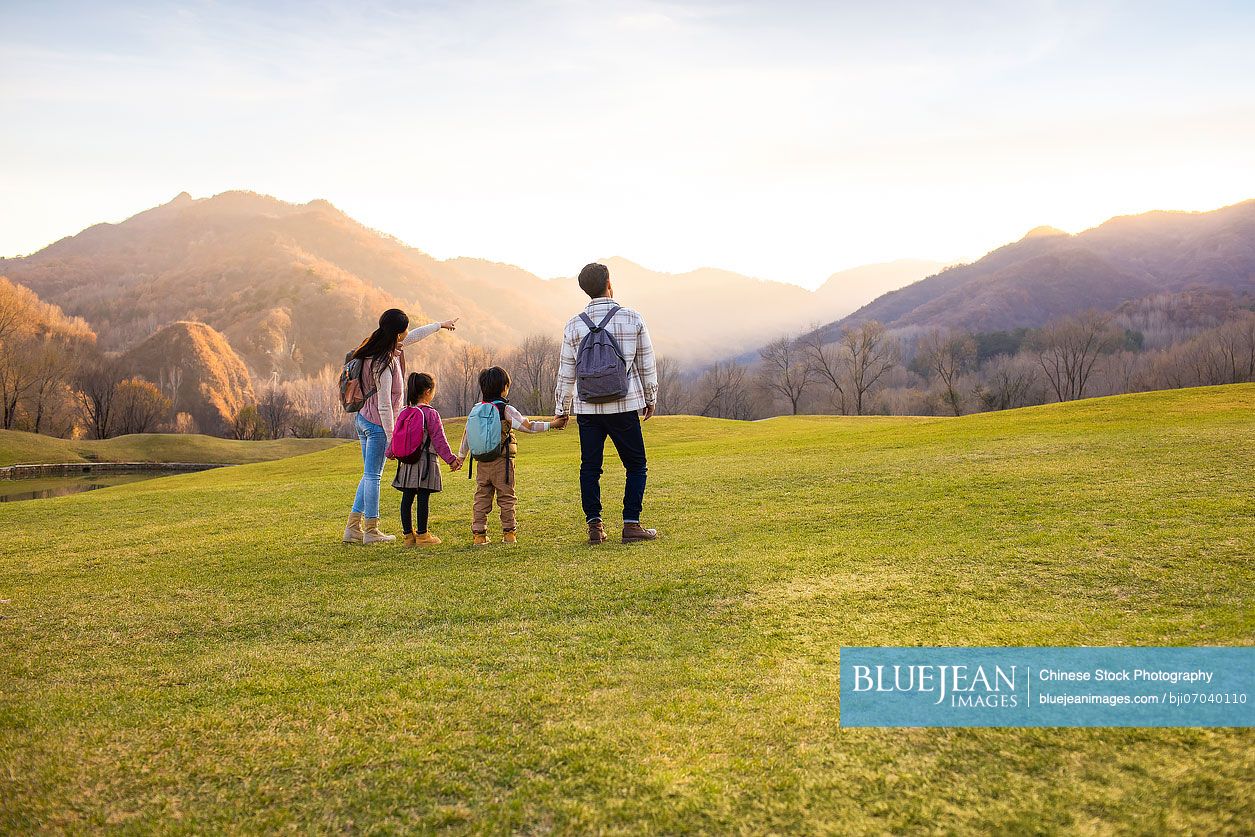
(418, 497)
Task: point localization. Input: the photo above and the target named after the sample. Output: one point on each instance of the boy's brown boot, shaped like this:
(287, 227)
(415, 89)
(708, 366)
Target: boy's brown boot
(409, 539)
(371, 533)
(479, 538)
(596, 533)
(635, 533)
(509, 537)
(353, 532)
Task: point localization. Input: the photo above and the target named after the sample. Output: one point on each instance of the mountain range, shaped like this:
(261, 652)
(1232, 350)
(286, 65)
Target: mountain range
(206, 297)
(1050, 274)
(294, 286)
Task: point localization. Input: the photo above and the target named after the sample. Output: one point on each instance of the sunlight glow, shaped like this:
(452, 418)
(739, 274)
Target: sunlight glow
(784, 140)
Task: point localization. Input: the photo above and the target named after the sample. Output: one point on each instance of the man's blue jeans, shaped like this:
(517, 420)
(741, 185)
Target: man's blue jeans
(374, 452)
(624, 429)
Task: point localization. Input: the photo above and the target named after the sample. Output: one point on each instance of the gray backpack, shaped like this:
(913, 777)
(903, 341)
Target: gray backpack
(600, 368)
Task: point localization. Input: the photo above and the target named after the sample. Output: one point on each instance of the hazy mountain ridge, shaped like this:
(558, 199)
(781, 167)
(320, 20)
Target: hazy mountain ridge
(709, 313)
(278, 279)
(1050, 274)
(292, 286)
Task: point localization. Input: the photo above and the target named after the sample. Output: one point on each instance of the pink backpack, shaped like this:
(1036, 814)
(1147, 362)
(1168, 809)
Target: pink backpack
(409, 435)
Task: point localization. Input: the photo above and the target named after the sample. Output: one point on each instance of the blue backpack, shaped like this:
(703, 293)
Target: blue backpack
(487, 433)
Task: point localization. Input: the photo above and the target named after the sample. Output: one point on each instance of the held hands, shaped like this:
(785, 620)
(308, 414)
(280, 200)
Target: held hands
(559, 422)
(451, 324)
(457, 464)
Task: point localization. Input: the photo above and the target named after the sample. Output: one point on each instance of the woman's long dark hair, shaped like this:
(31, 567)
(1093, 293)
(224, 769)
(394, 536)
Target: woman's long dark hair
(416, 386)
(378, 348)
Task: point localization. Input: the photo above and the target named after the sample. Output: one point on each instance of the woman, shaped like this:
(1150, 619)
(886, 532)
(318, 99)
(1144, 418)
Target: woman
(384, 363)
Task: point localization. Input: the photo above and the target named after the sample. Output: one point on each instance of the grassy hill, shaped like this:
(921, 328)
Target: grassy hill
(206, 656)
(18, 448)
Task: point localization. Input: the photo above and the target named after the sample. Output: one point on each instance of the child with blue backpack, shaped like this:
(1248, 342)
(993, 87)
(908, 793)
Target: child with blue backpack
(489, 441)
(417, 439)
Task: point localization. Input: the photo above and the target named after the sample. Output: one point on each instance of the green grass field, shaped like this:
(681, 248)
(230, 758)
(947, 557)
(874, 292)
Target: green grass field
(199, 653)
(17, 448)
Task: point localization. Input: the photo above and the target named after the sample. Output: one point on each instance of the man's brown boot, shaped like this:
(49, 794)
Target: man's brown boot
(635, 533)
(596, 532)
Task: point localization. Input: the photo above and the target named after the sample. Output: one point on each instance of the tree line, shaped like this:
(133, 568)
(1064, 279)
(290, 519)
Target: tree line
(55, 379)
(869, 370)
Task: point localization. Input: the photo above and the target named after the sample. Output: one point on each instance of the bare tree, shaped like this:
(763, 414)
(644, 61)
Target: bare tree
(1068, 349)
(274, 410)
(16, 304)
(458, 386)
(1235, 343)
(723, 391)
(670, 387)
(829, 364)
(871, 353)
(948, 355)
(1010, 382)
(247, 425)
(316, 402)
(533, 368)
(18, 375)
(51, 364)
(1122, 372)
(96, 386)
(785, 371)
(139, 407)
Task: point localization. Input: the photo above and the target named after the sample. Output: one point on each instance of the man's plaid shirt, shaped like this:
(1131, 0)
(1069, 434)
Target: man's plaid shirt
(629, 329)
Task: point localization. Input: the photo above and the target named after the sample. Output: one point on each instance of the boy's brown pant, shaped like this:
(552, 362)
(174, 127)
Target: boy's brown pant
(490, 479)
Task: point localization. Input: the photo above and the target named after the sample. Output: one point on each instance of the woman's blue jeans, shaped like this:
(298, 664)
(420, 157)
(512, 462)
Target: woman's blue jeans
(374, 451)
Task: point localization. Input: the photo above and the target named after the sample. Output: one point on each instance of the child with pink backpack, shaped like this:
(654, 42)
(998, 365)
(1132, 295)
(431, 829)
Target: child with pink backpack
(417, 439)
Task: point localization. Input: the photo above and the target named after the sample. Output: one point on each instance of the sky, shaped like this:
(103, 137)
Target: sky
(779, 139)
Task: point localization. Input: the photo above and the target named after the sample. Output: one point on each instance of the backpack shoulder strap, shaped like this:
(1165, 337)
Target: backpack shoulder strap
(592, 326)
(507, 427)
(610, 316)
(423, 413)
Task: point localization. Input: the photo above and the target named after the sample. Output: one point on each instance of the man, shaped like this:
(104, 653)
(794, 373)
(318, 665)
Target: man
(620, 419)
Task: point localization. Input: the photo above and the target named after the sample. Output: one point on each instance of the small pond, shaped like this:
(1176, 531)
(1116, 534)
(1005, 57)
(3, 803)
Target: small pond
(38, 488)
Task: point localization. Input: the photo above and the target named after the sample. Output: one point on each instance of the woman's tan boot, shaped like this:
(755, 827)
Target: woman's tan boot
(353, 532)
(409, 539)
(371, 533)
(426, 539)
